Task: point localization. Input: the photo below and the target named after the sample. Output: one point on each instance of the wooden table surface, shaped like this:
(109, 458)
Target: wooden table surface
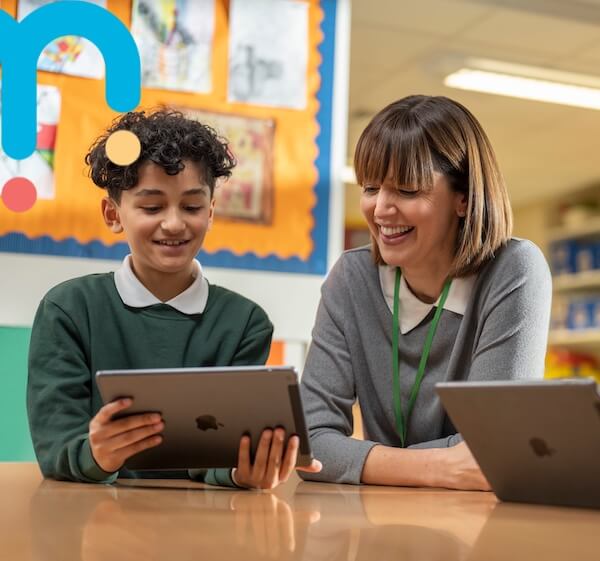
(152, 520)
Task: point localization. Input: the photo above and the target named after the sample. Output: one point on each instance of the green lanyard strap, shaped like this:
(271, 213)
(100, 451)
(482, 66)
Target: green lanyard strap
(401, 421)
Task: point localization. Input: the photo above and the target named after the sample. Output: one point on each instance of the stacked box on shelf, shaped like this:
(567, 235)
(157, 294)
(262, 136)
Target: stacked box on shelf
(572, 257)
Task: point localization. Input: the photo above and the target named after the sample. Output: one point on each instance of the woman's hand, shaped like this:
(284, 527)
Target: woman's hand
(459, 470)
(114, 441)
(273, 462)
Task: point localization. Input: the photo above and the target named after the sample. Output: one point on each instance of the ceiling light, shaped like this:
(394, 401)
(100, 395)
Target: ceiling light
(527, 82)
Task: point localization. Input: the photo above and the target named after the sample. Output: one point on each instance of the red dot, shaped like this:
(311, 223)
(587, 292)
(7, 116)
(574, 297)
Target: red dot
(19, 194)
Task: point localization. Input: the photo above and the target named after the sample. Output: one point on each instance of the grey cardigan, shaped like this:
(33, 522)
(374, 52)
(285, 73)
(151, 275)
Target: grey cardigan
(502, 336)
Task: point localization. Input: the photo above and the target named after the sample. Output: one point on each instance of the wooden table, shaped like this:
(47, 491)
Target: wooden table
(179, 521)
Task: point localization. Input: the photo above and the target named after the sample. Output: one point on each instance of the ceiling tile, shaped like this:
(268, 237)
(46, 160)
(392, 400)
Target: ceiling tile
(531, 32)
(436, 17)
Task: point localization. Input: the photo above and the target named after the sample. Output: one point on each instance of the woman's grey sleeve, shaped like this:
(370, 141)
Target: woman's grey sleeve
(328, 390)
(514, 334)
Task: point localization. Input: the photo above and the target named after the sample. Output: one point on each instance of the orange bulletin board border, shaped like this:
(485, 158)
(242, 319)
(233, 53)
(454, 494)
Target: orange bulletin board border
(295, 241)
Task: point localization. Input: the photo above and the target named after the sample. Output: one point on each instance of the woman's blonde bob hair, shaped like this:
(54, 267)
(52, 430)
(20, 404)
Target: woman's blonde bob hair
(417, 135)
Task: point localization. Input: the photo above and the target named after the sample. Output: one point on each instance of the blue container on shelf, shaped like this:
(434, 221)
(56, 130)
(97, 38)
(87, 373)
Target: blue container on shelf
(596, 245)
(585, 256)
(582, 313)
(595, 316)
(563, 256)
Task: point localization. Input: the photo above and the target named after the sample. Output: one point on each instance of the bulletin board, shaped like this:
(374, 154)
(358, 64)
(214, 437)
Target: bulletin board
(288, 233)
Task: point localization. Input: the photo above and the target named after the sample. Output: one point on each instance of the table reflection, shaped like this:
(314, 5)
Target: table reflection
(363, 523)
(525, 532)
(302, 521)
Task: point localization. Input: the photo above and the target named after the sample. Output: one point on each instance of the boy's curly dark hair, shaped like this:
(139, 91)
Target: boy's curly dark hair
(167, 138)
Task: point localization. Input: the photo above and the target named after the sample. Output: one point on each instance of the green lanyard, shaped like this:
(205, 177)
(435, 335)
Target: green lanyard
(401, 421)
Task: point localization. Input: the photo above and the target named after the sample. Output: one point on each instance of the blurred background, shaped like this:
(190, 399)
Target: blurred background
(529, 70)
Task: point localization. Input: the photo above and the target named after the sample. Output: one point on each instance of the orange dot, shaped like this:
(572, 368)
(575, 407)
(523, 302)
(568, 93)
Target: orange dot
(123, 148)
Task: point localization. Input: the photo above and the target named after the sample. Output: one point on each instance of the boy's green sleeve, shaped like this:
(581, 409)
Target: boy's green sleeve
(59, 398)
(256, 341)
(213, 476)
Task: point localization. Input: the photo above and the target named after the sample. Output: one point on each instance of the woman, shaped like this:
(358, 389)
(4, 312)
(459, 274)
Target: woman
(444, 293)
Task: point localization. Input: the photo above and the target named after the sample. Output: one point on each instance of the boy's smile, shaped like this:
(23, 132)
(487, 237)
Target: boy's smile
(164, 218)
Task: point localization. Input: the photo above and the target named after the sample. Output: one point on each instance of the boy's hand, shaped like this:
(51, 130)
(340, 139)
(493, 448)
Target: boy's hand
(271, 465)
(114, 441)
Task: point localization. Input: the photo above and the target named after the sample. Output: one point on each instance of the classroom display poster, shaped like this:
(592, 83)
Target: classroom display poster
(271, 215)
(268, 46)
(174, 39)
(70, 54)
(248, 193)
(39, 167)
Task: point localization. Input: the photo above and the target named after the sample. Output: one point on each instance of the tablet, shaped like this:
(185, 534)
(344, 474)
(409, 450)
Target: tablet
(535, 441)
(207, 410)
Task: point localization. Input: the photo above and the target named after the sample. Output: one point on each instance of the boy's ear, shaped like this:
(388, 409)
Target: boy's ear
(211, 213)
(110, 212)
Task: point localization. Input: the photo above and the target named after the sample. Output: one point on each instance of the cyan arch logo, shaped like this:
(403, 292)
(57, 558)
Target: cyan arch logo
(21, 44)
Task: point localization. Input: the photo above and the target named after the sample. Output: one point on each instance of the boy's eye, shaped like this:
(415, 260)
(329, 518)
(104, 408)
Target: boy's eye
(151, 208)
(193, 208)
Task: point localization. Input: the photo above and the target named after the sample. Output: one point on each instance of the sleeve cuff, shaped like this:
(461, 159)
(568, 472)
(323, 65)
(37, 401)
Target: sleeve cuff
(90, 469)
(221, 477)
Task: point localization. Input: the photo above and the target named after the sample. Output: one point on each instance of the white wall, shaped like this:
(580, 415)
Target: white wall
(290, 300)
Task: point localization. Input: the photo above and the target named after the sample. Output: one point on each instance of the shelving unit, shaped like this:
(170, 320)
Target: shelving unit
(584, 338)
(590, 228)
(587, 280)
(573, 346)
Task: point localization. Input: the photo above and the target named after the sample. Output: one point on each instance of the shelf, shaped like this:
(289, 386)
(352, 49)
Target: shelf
(587, 229)
(576, 281)
(575, 338)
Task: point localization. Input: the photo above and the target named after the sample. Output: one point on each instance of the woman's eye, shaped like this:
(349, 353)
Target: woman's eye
(407, 193)
(369, 189)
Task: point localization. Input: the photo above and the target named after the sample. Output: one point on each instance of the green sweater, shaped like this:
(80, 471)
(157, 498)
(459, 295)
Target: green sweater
(83, 326)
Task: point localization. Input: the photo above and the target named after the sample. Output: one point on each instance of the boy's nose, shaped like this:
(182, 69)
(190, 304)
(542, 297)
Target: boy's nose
(173, 223)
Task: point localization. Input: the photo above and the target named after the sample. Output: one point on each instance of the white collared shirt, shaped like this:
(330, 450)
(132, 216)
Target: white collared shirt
(413, 310)
(133, 293)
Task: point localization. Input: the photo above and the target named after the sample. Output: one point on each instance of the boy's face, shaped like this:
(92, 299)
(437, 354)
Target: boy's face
(164, 218)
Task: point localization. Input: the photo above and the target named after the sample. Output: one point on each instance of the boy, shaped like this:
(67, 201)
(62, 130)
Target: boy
(156, 311)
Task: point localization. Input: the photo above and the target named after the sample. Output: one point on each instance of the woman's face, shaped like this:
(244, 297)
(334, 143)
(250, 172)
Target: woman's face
(414, 229)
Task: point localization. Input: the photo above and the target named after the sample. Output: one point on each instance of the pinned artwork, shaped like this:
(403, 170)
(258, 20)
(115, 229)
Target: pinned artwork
(70, 54)
(268, 52)
(38, 168)
(174, 38)
(248, 193)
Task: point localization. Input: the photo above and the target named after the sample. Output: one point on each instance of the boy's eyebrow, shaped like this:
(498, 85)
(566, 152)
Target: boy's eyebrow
(150, 192)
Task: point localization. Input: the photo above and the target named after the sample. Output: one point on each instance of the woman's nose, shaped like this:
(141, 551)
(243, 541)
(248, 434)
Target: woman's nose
(384, 203)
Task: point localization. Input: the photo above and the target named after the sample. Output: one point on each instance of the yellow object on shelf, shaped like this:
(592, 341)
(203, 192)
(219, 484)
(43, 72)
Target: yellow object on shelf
(563, 363)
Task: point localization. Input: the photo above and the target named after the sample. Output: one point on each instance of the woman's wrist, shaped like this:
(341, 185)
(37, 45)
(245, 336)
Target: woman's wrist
(437, 472)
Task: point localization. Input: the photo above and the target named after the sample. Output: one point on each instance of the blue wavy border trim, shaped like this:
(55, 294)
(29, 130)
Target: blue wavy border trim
(316, 263)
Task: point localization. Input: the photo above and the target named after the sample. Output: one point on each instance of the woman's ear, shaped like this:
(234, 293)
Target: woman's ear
(110, 212)
(461, 205)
